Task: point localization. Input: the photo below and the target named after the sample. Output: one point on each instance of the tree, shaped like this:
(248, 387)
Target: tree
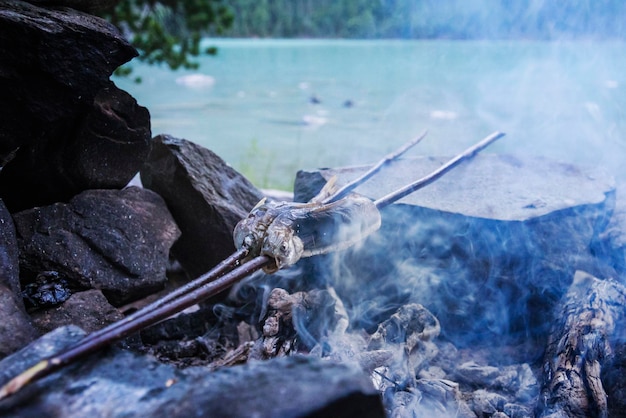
(169, 31)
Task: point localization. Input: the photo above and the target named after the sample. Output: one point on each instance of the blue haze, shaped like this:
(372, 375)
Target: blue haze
(565, 100)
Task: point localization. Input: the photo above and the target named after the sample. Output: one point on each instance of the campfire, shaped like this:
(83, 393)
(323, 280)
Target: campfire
(460, 304)
(495, 291)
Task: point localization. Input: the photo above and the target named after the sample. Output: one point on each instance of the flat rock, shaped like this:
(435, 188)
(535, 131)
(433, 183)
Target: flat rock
(488, 248)
(497, 187)
(206, 197)
(120, 383)
(117, 241)
(613, 239)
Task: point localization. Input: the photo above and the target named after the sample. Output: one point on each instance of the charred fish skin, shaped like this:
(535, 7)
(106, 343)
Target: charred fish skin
(250, 232)
(319, 229)
(337, 225)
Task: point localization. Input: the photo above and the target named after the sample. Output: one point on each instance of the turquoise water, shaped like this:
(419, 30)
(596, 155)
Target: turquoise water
(251, 104)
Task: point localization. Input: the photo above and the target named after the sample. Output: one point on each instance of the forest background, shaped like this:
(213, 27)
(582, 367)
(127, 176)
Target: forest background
(428, 19)
(170, 31)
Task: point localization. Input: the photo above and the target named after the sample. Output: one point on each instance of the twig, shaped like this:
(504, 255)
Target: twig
(425, 181)
(94, 343)
(375, 169)
(223, 267)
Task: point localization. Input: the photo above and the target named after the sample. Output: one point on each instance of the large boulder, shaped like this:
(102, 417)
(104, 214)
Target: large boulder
(488, 248)
(65, 126)
(117, 241)
(121, 383)
(206, 197)
(16, 329)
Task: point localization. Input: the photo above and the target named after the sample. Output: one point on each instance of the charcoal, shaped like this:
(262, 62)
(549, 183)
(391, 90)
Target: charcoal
(581, 341)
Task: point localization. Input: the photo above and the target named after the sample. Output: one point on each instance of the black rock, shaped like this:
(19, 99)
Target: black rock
(205, 195)
(9, 265)
(117, 241)
(44, 346)
(15, 328)
(88, 310)
(65, 126)
(120, 383)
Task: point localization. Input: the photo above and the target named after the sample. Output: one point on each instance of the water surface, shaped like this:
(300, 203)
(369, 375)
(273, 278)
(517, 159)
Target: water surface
(272, 107)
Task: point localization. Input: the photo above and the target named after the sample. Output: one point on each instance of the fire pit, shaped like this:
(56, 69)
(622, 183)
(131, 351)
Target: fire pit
(461, 304)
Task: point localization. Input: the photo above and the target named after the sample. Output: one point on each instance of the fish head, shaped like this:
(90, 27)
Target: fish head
(282, 245)
(250, 231)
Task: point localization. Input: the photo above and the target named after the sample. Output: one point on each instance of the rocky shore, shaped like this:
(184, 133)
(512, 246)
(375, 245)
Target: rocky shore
(496, 292)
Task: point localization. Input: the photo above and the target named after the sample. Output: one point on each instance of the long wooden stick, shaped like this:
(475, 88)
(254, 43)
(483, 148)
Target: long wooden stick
(86, 347)
(430, 178)
(343, 192)
(222, 268)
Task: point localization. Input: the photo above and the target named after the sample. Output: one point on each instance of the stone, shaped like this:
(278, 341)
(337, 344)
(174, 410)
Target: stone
(16, 329)
(117, 241)
(117, 382)
(88, 310)
(612, 240)
(65, 126)
(488, 248)
(9, 264)
(44, 346)
(106, 151)
(205, 195)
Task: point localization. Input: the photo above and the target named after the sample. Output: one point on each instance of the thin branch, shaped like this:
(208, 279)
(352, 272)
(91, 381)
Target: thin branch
(430, 178)
(90, 345)
(223, 267)
(375, 169)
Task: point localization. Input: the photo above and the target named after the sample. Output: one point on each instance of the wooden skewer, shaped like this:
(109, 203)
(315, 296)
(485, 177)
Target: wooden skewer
(222, 268)
(375, 169)
(94, 343)
(426, 180)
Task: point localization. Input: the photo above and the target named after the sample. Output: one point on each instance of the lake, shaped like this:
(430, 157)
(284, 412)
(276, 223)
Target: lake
(272, 107)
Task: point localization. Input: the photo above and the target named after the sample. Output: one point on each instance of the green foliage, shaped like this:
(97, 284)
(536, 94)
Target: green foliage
(169, 31)
(454, 19)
